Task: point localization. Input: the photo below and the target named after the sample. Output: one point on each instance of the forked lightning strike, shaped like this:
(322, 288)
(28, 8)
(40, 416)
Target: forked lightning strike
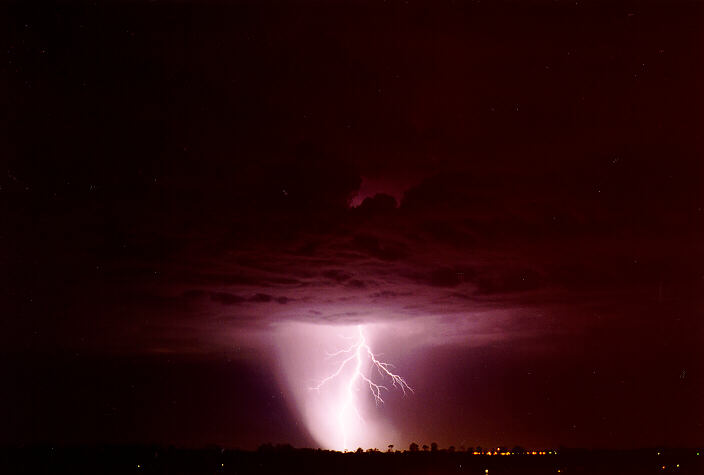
(357, 352)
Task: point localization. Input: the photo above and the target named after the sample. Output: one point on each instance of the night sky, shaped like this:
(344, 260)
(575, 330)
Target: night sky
(509, 192)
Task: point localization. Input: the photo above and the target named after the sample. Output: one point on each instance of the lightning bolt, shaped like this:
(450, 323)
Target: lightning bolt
(355, 355)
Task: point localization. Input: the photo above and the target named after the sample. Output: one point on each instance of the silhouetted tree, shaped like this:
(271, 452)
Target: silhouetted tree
(391, 447)
(413, 447)
(434, 446)
(451, 449)
(268, 447)
(425, 448)
(359, 450)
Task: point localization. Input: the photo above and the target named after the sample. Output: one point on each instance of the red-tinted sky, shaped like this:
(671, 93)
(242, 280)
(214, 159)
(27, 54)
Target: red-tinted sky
(514, 187)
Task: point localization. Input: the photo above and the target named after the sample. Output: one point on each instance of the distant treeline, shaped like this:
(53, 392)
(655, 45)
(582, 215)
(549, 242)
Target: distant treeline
(285, 459)
(433, 447)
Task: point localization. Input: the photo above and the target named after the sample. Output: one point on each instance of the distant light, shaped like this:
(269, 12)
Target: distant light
(139, 466)
(558, 470)
(222, 464)
(678, 465)
(663, 467)
(486, 471)
(658, 453)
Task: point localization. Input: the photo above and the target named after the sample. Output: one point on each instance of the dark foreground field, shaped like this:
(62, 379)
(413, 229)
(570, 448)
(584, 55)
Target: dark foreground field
(119, 460)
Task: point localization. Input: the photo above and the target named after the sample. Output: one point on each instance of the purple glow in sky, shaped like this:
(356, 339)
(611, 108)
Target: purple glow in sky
(201, 200)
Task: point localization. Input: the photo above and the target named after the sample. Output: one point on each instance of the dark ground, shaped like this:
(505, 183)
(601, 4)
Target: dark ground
(116, 460)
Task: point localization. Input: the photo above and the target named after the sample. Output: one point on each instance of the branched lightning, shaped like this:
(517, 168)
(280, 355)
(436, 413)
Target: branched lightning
(357, 353)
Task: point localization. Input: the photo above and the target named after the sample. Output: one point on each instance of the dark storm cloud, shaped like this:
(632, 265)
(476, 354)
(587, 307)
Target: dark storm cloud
(226, 298)
(337, 275)
(357, 284)
(264, 298)
(178, 180)
(370, 245)
(380, 203)
(195, 297)
(444, 277)
(521, 280)
(230, 299)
